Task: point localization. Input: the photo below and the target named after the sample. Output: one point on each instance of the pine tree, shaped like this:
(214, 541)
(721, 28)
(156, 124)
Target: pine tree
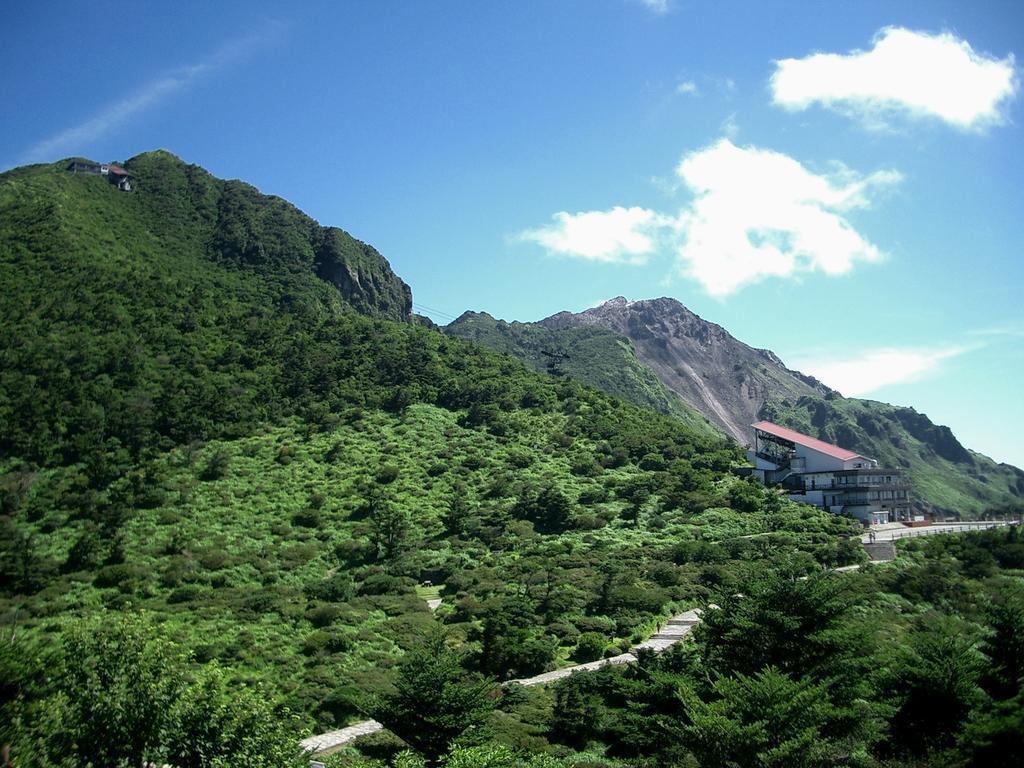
(434, 702)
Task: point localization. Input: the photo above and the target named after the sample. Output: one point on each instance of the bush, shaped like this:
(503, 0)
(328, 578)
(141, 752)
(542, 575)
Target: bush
(216, 466)
(600, 624)
(590, 647)
(337, 588)
(323, 615)
(186, 594)
(308, 518)
(125, 577)
(325, 641)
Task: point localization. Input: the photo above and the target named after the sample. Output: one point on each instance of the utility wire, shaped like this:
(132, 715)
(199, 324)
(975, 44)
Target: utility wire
(423, 307)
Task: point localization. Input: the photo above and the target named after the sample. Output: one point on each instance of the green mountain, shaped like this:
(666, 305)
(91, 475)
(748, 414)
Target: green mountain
(733, 385)
(215, 410)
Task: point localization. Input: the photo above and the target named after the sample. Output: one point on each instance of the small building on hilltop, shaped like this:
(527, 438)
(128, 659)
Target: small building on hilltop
(120, 177)
(115, 173)
(827, 476)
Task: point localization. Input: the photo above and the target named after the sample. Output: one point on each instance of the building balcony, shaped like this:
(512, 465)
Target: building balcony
(779, 461)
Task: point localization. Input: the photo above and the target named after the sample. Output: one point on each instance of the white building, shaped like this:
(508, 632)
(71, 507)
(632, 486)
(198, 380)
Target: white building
(827, 476)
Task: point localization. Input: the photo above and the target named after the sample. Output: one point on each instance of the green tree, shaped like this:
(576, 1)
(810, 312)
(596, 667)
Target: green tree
(767, 720)
(550, 511)
(434, 701)
(934, 680)
(218, 725)
(995, 738)
(1004, 646)
(807, 629)
(590, 646)
(117, 691)
(512, 643)
(801, 627)
(578, 716)
(389, 523)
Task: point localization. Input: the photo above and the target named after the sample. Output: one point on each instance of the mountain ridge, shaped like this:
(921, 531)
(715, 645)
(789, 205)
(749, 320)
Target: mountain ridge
(591, 354)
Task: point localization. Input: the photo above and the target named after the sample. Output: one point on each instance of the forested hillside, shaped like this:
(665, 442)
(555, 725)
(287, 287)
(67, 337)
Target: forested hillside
(216, 421)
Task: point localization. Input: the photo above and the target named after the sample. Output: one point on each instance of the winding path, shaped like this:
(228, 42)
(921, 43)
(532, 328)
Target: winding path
(674, 630)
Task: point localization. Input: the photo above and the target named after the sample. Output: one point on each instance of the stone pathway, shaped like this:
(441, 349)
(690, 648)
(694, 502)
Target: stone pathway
(674, 630)
(333, 739)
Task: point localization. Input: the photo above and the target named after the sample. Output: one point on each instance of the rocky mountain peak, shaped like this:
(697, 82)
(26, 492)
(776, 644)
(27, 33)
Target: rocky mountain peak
(727, 380)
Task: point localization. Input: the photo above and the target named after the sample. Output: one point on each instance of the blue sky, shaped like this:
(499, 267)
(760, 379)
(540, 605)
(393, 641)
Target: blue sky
(839, 182)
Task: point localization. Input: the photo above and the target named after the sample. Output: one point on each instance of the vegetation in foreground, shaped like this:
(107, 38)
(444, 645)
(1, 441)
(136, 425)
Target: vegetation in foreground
(914, 663)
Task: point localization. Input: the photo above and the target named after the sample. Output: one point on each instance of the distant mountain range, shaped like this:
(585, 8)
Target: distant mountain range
(733, 384)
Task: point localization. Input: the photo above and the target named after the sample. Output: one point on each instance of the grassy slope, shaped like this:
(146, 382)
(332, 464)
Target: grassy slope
(195, 423)
(592, 355)
(228, 565)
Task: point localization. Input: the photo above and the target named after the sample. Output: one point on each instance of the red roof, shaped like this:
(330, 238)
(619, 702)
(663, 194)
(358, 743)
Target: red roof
(117, 170)
(808, 442)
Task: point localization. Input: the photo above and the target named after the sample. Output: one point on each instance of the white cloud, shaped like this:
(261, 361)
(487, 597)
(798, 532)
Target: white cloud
(755, 214)
(617, 235)
(914, 73)
(687, 88)
(114, 115)
(874, 369)
(758, 213)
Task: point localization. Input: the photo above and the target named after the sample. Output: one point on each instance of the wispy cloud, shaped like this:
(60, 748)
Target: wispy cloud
(730, 127)
(114, 114)
(1010, 331)
(658, 7)
(687, 88)
(874, 369)
(754, 214)
(907, 73)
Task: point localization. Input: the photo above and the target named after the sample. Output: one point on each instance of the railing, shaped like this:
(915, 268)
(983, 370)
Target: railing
(894, 485)
(948, 528)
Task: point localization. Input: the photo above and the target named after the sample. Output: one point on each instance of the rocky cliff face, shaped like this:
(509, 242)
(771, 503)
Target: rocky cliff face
(727, 380)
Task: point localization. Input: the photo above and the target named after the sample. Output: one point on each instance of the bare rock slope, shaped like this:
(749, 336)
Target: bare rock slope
(728, 381)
